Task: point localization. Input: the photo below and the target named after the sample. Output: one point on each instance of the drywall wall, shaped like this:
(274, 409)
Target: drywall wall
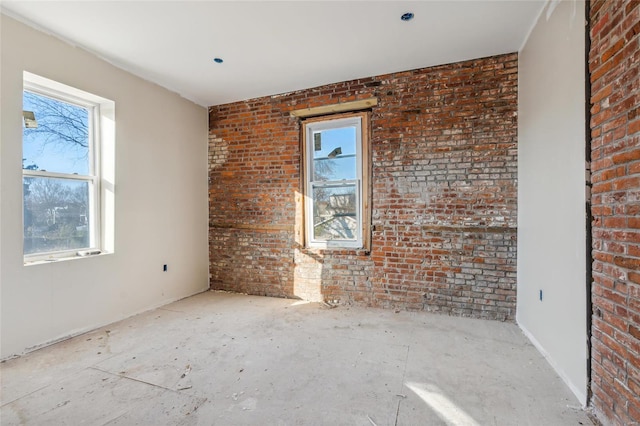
(551, 192)
(160, 200)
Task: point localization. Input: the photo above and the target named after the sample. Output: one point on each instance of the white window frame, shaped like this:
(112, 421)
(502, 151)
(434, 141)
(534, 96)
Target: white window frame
(326, 124)
(74, 97)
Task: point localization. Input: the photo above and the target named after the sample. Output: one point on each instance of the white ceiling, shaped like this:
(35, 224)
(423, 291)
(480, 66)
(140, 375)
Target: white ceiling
(273, 47)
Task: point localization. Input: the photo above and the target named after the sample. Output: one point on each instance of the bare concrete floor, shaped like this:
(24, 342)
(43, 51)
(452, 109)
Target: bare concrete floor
(227, 359)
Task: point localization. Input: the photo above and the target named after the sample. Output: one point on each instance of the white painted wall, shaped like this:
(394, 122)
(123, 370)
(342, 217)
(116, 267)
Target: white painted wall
(161, 208)
(551, 192)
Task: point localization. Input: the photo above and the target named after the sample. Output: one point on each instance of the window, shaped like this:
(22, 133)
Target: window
(61, 147)
(336, 181)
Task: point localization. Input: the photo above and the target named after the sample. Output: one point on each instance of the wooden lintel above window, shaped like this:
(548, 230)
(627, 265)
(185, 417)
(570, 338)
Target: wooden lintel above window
(334, 108)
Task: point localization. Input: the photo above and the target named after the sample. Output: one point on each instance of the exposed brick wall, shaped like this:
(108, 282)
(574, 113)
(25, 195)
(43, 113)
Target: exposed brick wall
(614, 60)
(444, 161)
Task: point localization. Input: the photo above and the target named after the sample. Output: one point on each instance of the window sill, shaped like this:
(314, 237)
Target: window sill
(43, 261)
(337, 251)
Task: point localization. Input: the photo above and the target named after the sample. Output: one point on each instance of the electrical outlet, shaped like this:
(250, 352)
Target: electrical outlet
(164, 268)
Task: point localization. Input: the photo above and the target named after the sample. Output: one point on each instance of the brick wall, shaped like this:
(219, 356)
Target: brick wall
(444, 194)
(614, 59)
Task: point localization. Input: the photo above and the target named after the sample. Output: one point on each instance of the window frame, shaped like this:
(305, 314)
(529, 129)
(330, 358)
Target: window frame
(93, 178)
(361, 182)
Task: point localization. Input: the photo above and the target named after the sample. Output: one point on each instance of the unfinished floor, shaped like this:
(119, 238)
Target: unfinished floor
(229, 359)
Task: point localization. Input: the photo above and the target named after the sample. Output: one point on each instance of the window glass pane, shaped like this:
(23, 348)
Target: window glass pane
(58, 139)
(56, 214)
(334, 154)
(335, 213)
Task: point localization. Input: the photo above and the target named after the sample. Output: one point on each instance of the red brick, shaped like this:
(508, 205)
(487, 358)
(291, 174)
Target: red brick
(601, 71)
(630, 6)
(626, 157)
(627, 183)
(615, 153)
(602, 187)
(602, 117)
(632, 31)
(423, 118)
(633, 250)
(614, 124)
(601, 94)
(597, 26)
(615, 222)
(612, 51)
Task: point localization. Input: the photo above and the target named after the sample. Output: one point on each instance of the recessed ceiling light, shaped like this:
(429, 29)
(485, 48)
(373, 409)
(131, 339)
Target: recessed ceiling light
(218, 60)
(407, 16)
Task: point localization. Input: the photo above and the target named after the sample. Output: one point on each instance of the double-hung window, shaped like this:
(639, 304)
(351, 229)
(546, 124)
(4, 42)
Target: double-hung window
(61, 173)
(336, 181)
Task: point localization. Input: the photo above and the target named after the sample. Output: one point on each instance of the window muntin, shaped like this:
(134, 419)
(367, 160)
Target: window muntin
(333, 183)
(61, 211)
